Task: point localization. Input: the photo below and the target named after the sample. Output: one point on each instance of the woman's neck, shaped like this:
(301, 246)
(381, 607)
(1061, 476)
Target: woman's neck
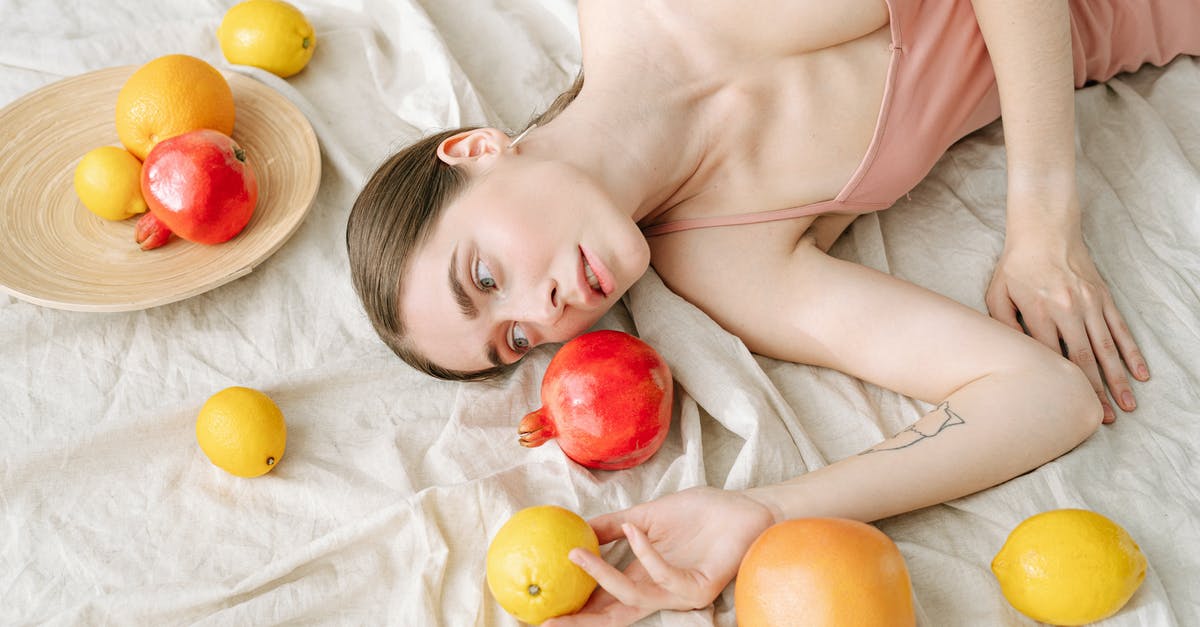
(641, 156)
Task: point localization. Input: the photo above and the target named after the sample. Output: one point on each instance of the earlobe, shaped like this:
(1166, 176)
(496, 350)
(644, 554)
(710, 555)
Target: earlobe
(472, 145)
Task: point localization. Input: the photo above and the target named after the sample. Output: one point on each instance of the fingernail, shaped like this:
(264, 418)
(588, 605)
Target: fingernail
(1109, 416)
(1143, 372)
(1128, 402)
(575, 558)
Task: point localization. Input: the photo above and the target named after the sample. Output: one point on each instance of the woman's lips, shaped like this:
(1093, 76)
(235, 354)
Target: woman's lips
(589, 297)
(590, 276)
(603, 275)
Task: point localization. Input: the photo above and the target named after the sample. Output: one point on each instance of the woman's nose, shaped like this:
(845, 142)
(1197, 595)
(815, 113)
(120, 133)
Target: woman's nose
(547, 307)
(541, 306)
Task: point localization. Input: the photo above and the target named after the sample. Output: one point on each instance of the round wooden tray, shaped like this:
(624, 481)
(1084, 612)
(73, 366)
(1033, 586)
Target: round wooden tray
(56, 253)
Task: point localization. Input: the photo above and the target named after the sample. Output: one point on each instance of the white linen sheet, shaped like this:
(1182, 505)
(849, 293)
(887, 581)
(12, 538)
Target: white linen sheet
(382, 508)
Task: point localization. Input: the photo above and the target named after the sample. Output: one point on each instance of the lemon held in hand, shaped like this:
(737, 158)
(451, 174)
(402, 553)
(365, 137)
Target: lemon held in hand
(107, 181)
(527, 567)
(268, 34)
(241, 431)
(1069, 567)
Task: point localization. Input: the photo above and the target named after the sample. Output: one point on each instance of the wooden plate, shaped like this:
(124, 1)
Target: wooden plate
(56, 253)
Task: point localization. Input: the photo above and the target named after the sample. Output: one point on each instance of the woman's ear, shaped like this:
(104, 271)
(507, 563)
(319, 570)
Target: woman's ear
(476, 146)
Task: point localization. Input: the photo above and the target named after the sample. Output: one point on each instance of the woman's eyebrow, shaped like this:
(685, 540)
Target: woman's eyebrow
(465, 304)
(493, 355)
(468, 308)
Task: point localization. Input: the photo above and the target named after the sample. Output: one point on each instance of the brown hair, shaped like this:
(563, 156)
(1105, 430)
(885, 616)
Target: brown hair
(393, 215)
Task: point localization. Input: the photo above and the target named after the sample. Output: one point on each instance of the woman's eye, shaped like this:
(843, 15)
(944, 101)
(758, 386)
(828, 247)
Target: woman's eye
(520, 343)
(483, 276)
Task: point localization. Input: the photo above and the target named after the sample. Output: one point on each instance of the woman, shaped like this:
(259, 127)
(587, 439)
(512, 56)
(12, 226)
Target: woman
(730, 150)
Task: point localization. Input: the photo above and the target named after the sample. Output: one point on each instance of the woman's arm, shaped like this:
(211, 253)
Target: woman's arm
(1045, 273)
(1029, 42)
(1005, 404)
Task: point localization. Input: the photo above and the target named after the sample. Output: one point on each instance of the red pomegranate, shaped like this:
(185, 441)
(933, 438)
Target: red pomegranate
(200, 186)
(150, 232)
(607, 397)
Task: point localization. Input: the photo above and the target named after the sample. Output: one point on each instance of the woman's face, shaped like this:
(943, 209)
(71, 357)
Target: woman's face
(530, 253)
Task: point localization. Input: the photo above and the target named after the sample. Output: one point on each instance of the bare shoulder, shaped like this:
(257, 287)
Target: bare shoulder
(728, 270)
(731, 273)
(773, 27)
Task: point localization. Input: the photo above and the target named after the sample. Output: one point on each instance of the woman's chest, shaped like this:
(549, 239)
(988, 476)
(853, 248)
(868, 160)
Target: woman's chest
(787, 131)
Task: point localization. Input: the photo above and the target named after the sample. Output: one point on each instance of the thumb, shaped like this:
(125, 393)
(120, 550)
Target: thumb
(608, 526)
(1001, 307)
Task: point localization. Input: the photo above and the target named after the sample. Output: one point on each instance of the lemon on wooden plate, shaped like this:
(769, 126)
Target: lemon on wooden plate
(527, 567)
(242, 431)
(1069, 567)
(108, 183)
(268, 34)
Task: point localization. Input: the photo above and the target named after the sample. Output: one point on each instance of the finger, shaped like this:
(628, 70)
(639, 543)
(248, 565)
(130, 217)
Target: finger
(1001, 307)
(612, 580)
(1109, 359)
(1043, 329)
(614, 614)
(598, 602)
(617, 615)
(1079, 351)
(671, 579)
(1133, 357)
(608, 526)
(605, 614)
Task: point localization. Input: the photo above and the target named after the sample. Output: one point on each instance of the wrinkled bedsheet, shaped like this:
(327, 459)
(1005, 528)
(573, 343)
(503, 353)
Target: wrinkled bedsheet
(382, 508)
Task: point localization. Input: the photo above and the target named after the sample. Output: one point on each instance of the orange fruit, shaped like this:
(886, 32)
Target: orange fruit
(169, 96)
(823, 572)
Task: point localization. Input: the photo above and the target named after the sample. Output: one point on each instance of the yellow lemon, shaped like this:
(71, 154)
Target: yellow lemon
(527, 567)
(269, 34)
(1069, 567)
(241, 431)
(108, 183)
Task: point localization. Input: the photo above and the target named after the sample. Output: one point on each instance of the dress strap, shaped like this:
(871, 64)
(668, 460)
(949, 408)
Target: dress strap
(828, 206)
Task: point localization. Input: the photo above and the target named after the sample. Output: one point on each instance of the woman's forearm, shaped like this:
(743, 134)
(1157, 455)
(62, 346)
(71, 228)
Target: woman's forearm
(1029, 42)
(989, 431)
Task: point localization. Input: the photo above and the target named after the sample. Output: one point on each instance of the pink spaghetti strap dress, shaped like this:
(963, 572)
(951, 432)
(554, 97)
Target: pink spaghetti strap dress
(940, 87)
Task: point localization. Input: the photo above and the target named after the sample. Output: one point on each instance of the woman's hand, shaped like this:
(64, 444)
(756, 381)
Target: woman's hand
(1045, 273)
(688, 547)
(1053, 284)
